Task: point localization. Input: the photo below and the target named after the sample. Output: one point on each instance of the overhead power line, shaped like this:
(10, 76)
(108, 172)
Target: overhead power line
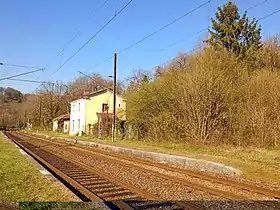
(31, 81)
(153, 33)
(85, 75)
(262, 18)
(22, 74)
(91, 38)
(199, 47)
(105, 60)
(256, 5)
(182, 40)
(79, 30)
(177, 42)
(164, 27)
(268, 15)
(16, 65)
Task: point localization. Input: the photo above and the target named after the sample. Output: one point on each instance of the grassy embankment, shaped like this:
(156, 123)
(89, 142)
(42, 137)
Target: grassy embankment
(20, 180)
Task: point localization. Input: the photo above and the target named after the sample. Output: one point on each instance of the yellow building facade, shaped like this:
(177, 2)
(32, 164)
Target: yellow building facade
(97, 103)
(84, 110)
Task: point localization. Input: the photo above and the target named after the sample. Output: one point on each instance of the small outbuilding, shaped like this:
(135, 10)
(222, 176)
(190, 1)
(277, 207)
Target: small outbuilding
(62, 123)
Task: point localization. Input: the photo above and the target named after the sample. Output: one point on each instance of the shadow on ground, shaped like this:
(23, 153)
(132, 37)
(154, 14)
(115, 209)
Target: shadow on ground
(141, 205)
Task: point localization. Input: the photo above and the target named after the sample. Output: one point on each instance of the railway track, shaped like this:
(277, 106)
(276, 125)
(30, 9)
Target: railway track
(114, 157)
(94, 185)
(242, 186)
(7, 206)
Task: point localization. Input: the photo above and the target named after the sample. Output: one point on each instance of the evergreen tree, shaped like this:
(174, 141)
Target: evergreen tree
(236, 34)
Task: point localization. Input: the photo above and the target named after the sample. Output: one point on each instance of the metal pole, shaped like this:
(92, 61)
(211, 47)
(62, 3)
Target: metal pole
(25, 123)
(114, 102)
(3, 118)
(40, 112)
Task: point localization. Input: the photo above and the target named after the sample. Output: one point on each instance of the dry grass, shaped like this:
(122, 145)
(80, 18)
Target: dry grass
(61, 206)
(213, 99)
(20, 180)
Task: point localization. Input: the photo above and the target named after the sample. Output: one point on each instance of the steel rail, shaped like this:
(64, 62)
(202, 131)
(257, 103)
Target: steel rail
(53, 169)
(88, 193)
(232, 183)
(242, 186)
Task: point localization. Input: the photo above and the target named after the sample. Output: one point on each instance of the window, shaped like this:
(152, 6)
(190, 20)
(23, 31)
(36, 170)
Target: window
(104, 107)
(79, 106)
(79, 122)
(119, 105)
(65, 127)
(73, 124)
(73, 108)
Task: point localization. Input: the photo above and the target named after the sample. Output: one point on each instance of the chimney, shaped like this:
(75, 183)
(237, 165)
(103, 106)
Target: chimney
(86, 92)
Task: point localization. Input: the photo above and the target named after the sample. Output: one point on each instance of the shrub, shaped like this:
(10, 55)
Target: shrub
(212, 99)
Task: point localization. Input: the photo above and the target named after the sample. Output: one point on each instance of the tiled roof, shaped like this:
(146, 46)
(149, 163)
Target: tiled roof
(95, 93)
(62, 117)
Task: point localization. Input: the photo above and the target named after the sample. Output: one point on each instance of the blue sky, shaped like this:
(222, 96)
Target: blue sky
(33, 32)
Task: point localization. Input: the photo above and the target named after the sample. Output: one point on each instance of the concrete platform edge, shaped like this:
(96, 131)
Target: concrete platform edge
(196, 164)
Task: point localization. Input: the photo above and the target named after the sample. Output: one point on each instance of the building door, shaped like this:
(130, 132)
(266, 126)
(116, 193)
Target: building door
(79, 124)
(105, 107)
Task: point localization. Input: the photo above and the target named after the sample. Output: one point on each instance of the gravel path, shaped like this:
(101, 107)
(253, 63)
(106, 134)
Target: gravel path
(165, 189)
(243, 193)
(9, 205)
(273, 185)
